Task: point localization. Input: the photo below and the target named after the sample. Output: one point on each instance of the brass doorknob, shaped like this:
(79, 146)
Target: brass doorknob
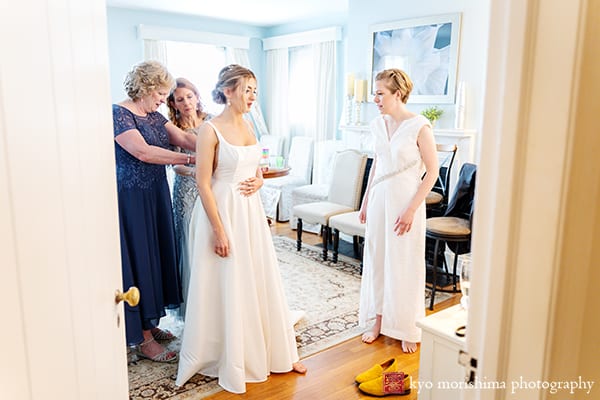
(131, 297)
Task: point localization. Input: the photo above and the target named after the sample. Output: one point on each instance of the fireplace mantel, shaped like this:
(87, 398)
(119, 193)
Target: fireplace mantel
(359, 137)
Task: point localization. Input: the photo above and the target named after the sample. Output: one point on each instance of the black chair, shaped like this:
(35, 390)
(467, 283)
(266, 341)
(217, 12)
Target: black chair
(437, 199)
(453, 229)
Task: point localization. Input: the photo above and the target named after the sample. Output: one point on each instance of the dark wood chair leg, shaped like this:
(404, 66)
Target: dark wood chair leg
(325, 236)
(434, 276)
(355, 245)
(336, 244)
(361, 248)
(299, 234)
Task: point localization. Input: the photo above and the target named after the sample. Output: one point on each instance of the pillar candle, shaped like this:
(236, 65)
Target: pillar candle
(360, 91)
(350, 84)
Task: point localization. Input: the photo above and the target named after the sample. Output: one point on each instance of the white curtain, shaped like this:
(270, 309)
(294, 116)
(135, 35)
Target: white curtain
(155, 50)
(301, 98)
(277, 93)
(325, 96)
(240, 56)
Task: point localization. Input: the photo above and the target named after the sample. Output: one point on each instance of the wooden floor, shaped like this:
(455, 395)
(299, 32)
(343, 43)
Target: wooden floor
(331, 372)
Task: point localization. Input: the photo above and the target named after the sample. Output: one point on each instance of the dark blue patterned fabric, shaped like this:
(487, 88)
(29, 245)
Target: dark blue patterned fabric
(131, 172)
(148, 252)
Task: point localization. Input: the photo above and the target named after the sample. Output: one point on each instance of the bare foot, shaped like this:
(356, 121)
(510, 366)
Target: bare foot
(409, 347)
(369, 337)
(372, 335)
(299, 368)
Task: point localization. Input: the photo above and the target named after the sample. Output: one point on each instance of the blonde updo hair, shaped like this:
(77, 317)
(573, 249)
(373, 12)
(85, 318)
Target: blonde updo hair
(396, 80)
(230, 77)
(174, 113)
(146, 77)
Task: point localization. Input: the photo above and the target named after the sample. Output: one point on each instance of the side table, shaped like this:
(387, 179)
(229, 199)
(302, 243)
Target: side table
(440, 374)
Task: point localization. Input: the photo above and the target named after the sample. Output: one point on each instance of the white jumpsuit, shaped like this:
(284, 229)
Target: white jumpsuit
(393, 281)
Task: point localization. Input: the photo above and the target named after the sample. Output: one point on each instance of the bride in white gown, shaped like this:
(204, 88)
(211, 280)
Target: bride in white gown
(237, 323)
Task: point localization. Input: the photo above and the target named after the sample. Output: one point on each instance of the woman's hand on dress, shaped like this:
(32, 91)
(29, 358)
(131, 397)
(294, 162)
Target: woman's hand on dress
(250, 186)
(221, 244)
(404, 222)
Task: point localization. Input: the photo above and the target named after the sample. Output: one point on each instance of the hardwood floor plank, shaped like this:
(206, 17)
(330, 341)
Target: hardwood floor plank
(331, 372)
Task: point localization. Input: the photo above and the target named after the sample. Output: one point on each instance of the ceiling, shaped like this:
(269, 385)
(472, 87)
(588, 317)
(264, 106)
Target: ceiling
(252, 12)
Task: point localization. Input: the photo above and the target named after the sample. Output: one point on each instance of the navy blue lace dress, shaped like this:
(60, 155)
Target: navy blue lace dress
(148, 252)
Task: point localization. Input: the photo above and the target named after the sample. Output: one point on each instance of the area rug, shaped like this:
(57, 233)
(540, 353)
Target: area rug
(327, 293)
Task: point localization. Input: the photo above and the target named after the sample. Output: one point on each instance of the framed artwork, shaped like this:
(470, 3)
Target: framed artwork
(425, 48)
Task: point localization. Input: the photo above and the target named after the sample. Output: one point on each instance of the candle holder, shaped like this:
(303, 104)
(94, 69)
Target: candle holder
(349, 110)
(358, 104)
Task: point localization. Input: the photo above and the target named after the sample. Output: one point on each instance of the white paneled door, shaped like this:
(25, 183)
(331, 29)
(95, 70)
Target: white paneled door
(62, 334)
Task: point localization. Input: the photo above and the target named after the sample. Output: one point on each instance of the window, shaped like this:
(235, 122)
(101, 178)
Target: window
(301, 104)
(200, 64)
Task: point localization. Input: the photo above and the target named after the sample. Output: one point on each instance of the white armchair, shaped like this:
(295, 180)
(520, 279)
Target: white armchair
(344, 195)
(325, 151)
(300, 161)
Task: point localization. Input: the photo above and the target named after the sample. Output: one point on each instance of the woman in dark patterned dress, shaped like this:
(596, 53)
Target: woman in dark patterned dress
(186, 112)
(143, 139)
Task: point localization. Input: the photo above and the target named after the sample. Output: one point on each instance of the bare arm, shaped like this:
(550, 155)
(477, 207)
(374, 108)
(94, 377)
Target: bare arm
(428, 151)
(133, 142)
(206, 147)
(179, 137)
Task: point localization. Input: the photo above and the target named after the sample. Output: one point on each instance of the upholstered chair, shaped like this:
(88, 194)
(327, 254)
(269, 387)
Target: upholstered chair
(349, 224)
(437, 199)
(300, 161)
(318, 190)
(453, 230)
(344, 195)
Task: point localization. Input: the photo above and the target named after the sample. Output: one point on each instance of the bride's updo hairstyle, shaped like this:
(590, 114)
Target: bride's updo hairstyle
(230, 77)
(396, 79)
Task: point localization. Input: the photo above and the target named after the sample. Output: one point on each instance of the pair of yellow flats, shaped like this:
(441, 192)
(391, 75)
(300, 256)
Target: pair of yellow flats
(384, 380)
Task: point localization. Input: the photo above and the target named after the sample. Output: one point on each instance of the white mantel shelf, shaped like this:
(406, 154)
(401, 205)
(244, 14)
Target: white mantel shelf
(458, 133)
(359, 137)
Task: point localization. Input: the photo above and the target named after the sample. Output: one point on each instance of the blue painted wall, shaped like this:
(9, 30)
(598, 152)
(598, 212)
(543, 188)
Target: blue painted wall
(125, 49)
(472, 51)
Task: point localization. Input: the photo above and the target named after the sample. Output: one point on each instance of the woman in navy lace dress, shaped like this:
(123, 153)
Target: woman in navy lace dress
(143, 139)
(186, 112)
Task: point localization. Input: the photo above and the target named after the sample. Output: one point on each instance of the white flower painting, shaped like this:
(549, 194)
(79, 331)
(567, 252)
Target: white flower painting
(425, 49)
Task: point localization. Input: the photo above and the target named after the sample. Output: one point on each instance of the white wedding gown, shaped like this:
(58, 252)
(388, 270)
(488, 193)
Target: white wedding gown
(237, 322)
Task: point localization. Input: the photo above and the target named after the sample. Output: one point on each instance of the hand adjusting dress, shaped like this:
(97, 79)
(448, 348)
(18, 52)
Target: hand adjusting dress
(237, 323)
(393, 281)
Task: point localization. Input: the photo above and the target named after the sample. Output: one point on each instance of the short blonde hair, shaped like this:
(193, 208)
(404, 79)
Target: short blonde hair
(146, 77)
(230, 77)
(396, 80)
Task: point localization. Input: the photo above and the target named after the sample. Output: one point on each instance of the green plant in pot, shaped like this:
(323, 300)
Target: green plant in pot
(432, 113)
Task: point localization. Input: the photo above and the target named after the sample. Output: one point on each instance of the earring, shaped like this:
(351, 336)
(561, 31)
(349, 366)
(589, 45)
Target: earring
(229, 102)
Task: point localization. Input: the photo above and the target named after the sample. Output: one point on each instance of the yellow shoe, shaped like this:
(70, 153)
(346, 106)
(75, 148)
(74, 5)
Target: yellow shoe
(390, 383)
(377, 370)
